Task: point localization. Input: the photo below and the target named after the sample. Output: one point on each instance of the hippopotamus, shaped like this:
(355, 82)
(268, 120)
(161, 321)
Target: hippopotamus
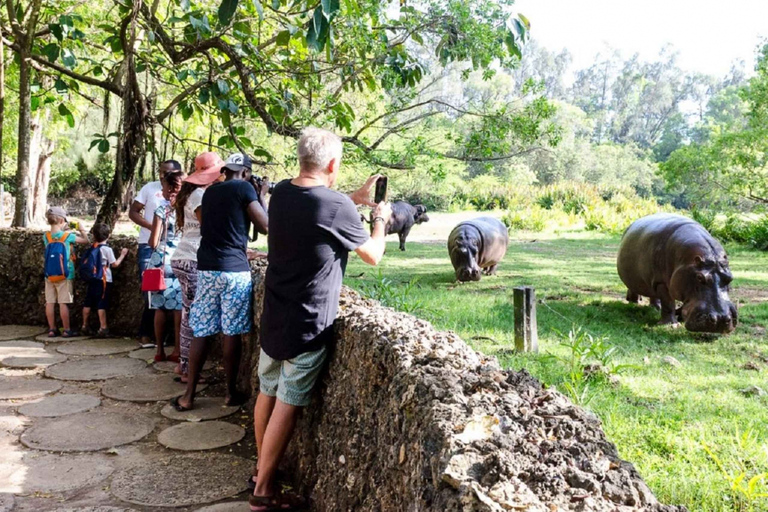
(477, 245)
(670, 258)
(404, 216)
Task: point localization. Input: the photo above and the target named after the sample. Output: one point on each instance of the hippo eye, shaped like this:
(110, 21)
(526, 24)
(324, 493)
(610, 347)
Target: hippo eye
(702, 278)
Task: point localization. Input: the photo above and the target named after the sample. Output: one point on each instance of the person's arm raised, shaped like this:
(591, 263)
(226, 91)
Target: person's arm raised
(372, 251)
(137, 216)
(258, 216)
(362, 196)
(156, 229)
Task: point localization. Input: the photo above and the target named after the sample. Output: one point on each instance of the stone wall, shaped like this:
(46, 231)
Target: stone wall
(22, 283)
(411, 419)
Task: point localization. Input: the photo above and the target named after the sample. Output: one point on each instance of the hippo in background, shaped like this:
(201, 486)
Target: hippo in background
(476, 246)
(404, 216)
(670, 258)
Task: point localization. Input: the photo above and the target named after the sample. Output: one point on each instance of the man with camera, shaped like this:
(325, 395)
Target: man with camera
(312, 229)
(224, 290)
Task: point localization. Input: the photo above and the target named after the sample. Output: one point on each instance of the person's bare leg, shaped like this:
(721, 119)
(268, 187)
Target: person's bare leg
(198, 352)
(177, 333)
(64, 312)
(274, 443)
(232, 351)
(50, 314)
(86, 316)
(159, 331)
(103, 319)
(262, 411)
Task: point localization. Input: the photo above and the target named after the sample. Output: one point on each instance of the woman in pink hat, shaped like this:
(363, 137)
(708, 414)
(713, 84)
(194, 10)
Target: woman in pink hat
(184, 262)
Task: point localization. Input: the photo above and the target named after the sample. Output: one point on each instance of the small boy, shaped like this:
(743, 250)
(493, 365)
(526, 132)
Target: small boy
(60, 269)
(100, 290)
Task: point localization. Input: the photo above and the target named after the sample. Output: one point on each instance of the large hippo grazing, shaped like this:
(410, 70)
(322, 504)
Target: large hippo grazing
(671, 258)
(404, 216)
(477, 245)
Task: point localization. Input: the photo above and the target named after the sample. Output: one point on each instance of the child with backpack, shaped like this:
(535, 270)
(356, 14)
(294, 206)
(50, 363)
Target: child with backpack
(60, 269)
(96, 270)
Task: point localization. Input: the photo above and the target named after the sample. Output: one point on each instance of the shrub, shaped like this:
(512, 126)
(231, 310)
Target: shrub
(531, 219)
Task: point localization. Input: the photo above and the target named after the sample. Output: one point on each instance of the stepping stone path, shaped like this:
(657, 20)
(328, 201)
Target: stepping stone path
(6, 502)
(94, 509)
(50, 473)
(205, 409)
(59, 405)
(27, 354)
(170, 367)
(182, 480)
(98, 347)
(206, 435)
(145, 388)
(230, 506)
(96, 368)
(147, 354)
(19, 332)
(104, 430)
(60, 339)
(25, 389)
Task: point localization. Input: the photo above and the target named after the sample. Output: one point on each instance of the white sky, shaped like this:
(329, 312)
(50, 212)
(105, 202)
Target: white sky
(708, 34)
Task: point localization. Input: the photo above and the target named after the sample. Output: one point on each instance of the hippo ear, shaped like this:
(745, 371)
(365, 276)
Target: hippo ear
(698, 261)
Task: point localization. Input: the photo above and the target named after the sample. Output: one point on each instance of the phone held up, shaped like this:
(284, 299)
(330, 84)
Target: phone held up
(381, 190)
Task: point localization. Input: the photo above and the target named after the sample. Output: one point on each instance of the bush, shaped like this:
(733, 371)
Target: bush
(531, 219)
(735, 227)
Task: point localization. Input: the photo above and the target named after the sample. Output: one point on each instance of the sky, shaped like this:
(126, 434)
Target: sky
(708, 35)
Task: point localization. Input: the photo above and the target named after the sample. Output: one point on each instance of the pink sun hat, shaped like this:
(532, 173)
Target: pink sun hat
(207, 169)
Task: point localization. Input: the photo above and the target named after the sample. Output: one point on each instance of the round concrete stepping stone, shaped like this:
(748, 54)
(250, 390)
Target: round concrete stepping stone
(60, 339)
(206, 435)
(145, 388)
(170, 367)
(96, 368)
(206, 408)
(49, 473)
(87, 432)
(59, 405)
(95, 509)
(182, 480)
(148, 354)
(24, 389)
(27, 354)
(230, 506)
(19, 332)
(98, 347)
(6, 502)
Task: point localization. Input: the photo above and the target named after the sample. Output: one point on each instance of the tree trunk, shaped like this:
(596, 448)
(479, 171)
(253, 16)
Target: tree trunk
(135, 118)
(23, 215)
(2, 105)
(43, 180)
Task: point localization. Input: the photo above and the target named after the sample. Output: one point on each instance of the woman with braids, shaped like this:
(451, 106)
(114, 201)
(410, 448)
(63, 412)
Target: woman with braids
(184, 262)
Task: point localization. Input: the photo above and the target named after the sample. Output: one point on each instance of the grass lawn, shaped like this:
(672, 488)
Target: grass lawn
(659, 416)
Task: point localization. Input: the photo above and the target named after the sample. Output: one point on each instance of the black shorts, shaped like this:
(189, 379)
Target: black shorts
(98, 295)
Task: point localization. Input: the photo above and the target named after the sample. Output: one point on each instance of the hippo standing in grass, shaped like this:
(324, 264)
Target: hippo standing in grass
(670, 258)
(404, 216)
(477, 245)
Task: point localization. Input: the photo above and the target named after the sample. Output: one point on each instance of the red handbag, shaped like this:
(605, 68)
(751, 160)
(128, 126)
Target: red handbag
(153, 279)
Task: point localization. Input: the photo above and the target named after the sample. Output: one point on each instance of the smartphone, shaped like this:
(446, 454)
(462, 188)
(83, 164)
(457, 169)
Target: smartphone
(74, 224)
(381, 190)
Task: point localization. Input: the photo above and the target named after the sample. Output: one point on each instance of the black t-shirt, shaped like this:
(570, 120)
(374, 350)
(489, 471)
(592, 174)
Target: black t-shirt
(311, 231)
(225, 226)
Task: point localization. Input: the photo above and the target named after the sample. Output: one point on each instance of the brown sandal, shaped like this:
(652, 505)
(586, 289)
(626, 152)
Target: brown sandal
(281, 502)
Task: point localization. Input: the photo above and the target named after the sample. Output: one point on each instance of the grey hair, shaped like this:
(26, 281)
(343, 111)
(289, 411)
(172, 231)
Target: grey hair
(317, 147)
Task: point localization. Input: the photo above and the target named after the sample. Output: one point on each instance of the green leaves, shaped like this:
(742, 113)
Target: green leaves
(319, 32)
(67, 114)
(51, 51)
(227, 10)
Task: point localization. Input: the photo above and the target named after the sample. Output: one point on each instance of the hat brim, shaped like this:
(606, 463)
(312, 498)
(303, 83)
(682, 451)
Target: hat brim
(206, 176)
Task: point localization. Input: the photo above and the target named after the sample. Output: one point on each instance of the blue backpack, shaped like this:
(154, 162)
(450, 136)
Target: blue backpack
(91, 268)
(56, 261)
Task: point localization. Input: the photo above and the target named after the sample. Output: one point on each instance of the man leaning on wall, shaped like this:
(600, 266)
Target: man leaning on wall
(312, 229)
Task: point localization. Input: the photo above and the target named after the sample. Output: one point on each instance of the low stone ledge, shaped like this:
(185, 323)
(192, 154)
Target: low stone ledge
(411, 419)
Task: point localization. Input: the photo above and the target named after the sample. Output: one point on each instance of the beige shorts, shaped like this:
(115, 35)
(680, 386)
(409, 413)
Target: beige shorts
(60, 292)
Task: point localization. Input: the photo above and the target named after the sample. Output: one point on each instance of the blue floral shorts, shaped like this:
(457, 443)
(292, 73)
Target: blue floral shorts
(222, 303)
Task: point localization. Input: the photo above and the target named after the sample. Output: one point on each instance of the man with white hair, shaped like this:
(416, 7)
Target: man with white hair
(312, 229)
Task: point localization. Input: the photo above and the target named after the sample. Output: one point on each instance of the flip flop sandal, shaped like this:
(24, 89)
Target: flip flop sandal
(173, 358)
(201, 380)
(251, 482)
(70, 334)
(180, 408)
(282, 502)
(53, 333)
(160, 358)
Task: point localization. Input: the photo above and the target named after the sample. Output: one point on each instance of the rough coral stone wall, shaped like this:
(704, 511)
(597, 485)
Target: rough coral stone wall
(411, 419)
(22, 283)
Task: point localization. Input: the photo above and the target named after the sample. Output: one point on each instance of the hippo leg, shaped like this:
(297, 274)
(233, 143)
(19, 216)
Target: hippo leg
(490, 271)
(655, 303)
(632, 297)
(668, 309)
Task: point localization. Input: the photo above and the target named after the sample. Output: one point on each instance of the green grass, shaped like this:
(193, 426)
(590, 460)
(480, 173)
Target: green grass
(659, 417)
